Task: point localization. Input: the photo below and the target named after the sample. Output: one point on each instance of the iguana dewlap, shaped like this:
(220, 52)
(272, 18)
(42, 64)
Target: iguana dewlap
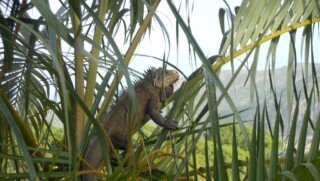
(152, 89)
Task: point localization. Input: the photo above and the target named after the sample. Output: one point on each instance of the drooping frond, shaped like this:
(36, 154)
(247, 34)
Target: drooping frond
(256, 22)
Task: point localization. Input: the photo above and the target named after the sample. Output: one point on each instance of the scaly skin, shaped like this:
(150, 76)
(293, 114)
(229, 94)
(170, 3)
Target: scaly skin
(150, 90)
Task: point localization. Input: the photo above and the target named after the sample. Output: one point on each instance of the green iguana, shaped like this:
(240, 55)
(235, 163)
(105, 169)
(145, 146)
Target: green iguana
(149, 94)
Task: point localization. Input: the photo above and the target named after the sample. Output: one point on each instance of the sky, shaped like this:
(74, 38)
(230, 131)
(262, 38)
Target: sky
(205, 27)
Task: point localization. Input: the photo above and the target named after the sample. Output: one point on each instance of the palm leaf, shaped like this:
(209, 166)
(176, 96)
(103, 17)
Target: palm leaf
(37, 62)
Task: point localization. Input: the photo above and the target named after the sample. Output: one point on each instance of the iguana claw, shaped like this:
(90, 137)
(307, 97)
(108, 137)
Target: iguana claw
(171, 125)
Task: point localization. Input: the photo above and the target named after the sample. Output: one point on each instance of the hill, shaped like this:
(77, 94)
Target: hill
(240, 93)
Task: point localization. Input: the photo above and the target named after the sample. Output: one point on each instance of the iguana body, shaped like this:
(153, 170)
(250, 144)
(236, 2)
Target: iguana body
(149, 93)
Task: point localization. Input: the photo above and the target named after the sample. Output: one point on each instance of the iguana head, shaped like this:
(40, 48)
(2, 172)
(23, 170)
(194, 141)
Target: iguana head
(161, 78)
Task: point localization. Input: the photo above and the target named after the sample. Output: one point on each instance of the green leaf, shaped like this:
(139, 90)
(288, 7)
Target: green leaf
(213, 116)
(274, 163)
(289, 158)
(303, 132)
(207, 159)
(5, 112)
(314, 149)
(290, 175)
(261, 150)
(235, 160)
(313, 170)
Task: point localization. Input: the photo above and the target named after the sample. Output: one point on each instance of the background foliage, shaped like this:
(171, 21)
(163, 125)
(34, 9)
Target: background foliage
(51, 68)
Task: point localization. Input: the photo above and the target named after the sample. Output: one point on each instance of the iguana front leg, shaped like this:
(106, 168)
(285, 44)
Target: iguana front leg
(157, 117)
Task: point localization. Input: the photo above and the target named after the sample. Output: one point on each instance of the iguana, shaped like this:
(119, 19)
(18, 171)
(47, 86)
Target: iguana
(150, 91)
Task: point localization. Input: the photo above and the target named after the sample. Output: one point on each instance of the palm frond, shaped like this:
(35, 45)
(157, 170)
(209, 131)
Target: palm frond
(68, 66)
